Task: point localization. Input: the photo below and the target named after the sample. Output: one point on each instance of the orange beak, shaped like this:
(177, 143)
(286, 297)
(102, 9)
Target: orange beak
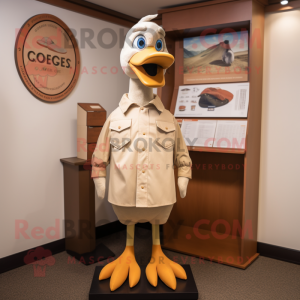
(149, 66)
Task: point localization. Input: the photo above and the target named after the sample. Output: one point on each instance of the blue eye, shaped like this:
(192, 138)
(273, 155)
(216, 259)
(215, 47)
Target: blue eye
(159, 45)
(139, 42)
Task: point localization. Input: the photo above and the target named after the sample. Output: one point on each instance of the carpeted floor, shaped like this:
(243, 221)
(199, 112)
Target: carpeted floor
(265, 279)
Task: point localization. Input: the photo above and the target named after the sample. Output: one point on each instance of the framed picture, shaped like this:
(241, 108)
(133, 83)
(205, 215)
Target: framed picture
(229, 100)
(216, 58)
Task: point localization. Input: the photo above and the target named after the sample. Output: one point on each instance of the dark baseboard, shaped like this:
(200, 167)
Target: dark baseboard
(280, 253)
(17, 260)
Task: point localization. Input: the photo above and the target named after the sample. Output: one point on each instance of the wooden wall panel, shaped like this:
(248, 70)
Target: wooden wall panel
(252, 157)
(215, 192)
(207, 15)
(203, 3)
(166, 92)
(178, 77)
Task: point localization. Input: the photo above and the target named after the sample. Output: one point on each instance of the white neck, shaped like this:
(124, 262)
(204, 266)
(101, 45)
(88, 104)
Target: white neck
(139, 93)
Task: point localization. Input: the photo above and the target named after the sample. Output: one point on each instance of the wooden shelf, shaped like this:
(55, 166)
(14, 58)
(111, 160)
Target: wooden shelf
(224, 185)
(225, 251)
(217, 150)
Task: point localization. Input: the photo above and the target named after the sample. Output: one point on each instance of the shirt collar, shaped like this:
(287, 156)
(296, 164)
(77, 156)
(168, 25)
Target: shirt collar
(125, 103)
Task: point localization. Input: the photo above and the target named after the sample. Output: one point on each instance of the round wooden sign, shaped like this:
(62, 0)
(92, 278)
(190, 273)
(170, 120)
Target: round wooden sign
(47, 57)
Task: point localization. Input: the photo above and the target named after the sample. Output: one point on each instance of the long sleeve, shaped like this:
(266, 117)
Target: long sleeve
(101, 155)
(181, 154)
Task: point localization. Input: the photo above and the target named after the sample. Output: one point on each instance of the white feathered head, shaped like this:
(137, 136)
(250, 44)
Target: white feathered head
(144, 54)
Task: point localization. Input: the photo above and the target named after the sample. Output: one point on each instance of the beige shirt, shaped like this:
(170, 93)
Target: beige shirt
(141, 144)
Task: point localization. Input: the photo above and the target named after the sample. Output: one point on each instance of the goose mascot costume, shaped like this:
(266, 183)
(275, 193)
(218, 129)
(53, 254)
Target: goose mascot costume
(142, 141)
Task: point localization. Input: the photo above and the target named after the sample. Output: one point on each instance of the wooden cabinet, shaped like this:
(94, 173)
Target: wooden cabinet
(79, 207)
(90, 120)
(218, 218)
(79, 188)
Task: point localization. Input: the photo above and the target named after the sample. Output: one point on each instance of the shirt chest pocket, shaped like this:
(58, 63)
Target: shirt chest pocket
(165, 134)
(120, 133)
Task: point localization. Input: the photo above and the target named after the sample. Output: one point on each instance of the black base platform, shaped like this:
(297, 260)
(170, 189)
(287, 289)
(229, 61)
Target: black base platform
(186, 289)
(100, 253)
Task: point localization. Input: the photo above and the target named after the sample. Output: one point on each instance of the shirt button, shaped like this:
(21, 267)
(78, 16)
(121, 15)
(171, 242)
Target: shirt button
(142, 108)
(166, 128)
(143, 171)
(142, 187)
(119, 127)
(144, 133)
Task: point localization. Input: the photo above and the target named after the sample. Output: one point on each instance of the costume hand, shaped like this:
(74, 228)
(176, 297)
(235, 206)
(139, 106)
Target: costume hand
(100, 183)
(182, 184)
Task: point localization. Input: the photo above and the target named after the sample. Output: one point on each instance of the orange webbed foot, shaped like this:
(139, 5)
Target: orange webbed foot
(166, 269)
(119, 269)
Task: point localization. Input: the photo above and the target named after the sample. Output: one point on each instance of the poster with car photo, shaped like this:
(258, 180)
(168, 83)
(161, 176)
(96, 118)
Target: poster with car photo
(216, 58)
(226, 100)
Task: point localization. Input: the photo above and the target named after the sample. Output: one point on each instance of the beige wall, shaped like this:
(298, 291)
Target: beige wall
(35, 135)
(279, 199)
